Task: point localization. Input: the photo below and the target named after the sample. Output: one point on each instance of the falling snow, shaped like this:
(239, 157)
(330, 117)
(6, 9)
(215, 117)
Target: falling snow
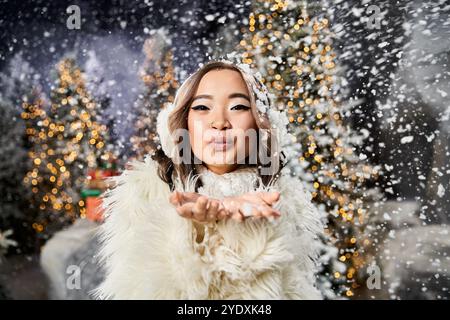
(396, 80)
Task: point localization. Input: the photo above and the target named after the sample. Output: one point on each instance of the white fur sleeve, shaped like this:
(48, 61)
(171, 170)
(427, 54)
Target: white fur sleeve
(145, 246)
(304, 224)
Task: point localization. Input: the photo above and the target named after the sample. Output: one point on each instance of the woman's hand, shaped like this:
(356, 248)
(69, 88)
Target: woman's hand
(200, 208)
(203, 209)
(252, 204)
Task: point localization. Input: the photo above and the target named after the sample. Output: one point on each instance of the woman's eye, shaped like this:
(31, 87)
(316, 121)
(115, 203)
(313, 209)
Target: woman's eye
(200, 107)
(240, 107)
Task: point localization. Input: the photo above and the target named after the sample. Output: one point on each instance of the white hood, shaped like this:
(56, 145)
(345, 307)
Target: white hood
(265, 104)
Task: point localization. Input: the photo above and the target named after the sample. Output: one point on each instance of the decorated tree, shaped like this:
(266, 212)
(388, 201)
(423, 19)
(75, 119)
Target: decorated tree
(97, 86)
(291, 45)
(66, 143)
(160, 84)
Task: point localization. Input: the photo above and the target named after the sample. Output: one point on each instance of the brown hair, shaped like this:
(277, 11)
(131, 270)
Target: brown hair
(178, 120)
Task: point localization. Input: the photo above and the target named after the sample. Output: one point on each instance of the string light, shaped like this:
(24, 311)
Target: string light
(161, 86)
(55, 163)
(302, 82)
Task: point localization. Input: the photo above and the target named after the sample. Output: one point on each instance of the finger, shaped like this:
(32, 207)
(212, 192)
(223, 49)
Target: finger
(185, 210)
(174, 198)
(232, 208)
(223, 214)
(266, 212)
(199, 210)
(236, 215)
(247, 209)
(274, 214)
(189, 196)
(212, 210)
(270, 197)
(257, 214)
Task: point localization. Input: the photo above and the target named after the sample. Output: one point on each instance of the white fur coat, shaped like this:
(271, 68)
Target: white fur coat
(150, 252)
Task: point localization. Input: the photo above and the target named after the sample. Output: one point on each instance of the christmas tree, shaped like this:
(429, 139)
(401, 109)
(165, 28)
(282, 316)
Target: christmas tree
(97, 86)
(291, 45)
(66, 143)
(160, 85)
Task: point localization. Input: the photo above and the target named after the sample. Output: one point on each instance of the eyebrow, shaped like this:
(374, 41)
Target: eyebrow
(233, 95)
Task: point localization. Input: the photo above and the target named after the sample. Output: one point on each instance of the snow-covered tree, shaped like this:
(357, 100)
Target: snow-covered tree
(18, 81)
(290, 44)
(67, 143)
(19, 87)
(414, 135)
(160, 83)
(97, 86)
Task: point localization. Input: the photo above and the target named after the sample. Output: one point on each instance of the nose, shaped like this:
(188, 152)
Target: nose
(219, 121)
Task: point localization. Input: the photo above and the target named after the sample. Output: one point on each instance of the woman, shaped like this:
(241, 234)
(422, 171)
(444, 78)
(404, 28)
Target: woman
(213, 214)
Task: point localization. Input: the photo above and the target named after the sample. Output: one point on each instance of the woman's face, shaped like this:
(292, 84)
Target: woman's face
(219, 120)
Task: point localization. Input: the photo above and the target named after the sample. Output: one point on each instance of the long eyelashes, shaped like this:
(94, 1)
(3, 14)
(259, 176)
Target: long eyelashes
(240, 107)
(237, 107)
(200, 107)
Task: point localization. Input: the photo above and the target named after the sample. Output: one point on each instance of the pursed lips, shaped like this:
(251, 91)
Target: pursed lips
(221, 143)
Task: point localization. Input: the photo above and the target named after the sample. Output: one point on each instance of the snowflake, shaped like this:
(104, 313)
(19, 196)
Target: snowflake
(5, 243)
